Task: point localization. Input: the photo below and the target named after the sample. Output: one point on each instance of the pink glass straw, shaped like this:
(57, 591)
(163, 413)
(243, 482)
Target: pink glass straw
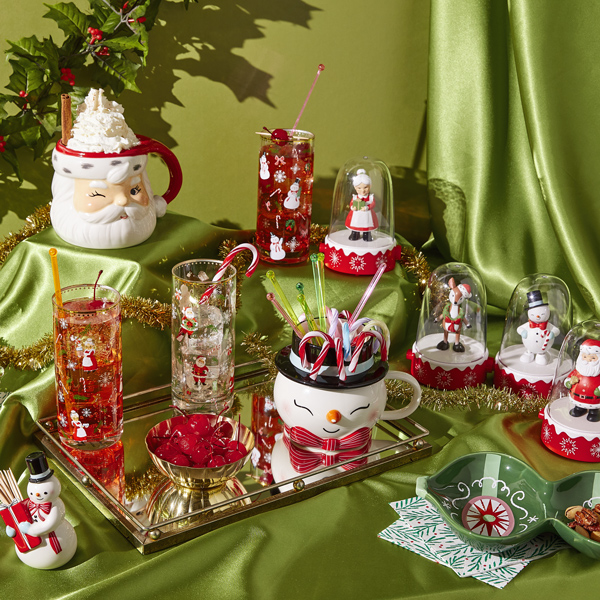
(271, 298)
(367, 294)
(321, 67)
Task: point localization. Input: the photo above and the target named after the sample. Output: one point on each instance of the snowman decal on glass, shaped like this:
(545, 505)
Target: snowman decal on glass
(583, 382)
(292, 201)
(454, 315)
(276, 249)
(264, 167)
(361, 219)
(47, 510)
(538, 334)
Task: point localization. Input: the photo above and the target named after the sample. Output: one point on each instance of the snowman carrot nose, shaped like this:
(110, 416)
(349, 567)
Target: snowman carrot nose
(333, 416)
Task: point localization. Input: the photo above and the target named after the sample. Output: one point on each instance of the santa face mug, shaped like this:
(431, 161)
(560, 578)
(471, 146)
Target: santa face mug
(329, 421)
(104, 200)
(202, 336)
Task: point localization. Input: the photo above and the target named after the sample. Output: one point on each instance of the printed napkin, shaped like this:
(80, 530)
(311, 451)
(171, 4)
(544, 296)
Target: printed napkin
(422, 530)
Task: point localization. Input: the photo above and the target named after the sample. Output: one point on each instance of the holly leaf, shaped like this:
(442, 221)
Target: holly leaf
(31, 136)
(69, 18)
(121, 73)
(25, 76)
(10, 157)
(17, 123)
(125, 42)
(44, 54)
(111, 23)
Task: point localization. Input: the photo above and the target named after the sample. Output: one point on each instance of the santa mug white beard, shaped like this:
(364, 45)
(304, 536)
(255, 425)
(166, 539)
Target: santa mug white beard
(82, 177)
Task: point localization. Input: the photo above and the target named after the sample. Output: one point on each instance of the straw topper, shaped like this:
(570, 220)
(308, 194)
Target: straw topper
(538, 315)
(450, 350)
(43, 538)
(571, 425)
(361, 229)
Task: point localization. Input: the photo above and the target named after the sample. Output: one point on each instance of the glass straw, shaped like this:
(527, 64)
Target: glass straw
(53, 252)
(319, 278)
(310, 319)
(284, 301)
(367, 294)
(271, 298)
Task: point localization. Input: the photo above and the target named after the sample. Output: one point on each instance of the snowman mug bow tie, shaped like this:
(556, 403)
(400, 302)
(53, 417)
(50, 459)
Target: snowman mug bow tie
(356, 439)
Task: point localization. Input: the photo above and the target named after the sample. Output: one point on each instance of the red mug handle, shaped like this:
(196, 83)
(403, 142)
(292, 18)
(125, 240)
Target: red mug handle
(151, 146)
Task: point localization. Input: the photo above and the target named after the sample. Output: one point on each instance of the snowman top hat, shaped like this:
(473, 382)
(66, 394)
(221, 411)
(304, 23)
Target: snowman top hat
(534, 298)
(38, 467)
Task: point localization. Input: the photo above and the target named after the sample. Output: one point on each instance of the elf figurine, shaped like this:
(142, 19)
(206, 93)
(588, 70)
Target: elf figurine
(189, 324)
(200, 370)
(538, 334)
(59, 540)
(583, 382)
(454, 315)
(362, 218)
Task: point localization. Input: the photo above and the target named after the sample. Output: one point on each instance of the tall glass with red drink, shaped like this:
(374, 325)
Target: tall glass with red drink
(285, 181)
(87, 357)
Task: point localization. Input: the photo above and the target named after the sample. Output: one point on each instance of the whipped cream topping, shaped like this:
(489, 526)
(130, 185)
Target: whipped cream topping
(100, 126)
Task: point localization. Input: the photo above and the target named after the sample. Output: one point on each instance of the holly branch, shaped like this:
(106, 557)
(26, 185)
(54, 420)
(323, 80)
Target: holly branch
(106, 45)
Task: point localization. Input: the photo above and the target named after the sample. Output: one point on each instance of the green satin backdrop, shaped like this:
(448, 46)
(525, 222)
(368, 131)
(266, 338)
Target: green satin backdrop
(512, 141)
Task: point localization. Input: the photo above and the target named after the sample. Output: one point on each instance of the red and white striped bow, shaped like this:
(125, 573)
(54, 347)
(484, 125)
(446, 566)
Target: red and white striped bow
(41, 508)
(302, 436)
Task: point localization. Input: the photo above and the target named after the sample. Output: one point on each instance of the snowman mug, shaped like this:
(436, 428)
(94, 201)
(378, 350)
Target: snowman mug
(331, 409)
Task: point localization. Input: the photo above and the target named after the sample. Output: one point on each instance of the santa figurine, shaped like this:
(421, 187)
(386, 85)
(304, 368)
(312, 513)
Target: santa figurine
(361, 219)
(189, 323)
(538, 334)
(89, 362)
(200, 370)
(454, 315)
(59, 540)
(583, 382)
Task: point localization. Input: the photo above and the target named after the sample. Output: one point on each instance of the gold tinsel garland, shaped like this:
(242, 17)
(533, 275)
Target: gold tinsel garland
(416, 263)
(34, 223)
(318, 233)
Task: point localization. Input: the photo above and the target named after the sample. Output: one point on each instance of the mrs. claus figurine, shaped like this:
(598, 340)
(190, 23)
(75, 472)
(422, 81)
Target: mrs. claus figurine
(59, 540)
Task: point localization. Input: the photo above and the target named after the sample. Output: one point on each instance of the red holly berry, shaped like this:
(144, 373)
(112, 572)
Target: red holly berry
(22, 93)
(96, 35)
(67, 76)
(104, 51)
(2, 143)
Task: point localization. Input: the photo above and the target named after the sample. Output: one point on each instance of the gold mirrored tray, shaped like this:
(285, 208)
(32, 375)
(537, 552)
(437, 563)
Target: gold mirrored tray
(124, 485)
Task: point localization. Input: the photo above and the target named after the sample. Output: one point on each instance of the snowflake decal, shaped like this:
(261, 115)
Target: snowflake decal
(357, 263)
(279, 176)
(61, 396)
(382, 260)
(533, 519)
(71, 365)
(446, 504)
(105, 379)
(292, 244)
(86, 412)
(595, 450)
(63, 323)
(295, 168)
(568, 446)
(528, 390)
(419, 369)
(546, 433)
(63, 420)
(470, 379)
(443, 379)
(334, 258)
(505, 382)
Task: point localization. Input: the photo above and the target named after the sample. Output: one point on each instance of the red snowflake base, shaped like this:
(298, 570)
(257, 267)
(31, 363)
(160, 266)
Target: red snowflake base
(368, 263)
(573, 446)
(505, 380)
(441, 378)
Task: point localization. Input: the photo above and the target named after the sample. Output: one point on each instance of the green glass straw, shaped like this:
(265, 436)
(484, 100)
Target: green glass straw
(319, 277)
(310, 319)
(283, 299)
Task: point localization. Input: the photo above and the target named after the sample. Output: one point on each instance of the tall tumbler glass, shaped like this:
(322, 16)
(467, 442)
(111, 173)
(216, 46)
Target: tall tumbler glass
(285, 181)
(87, 358)
(202, 337)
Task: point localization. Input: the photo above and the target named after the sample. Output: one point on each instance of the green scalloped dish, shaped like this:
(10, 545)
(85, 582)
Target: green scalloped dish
(493, 502)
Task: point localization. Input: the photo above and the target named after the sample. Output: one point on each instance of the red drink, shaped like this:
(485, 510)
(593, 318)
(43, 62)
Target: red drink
(285, 197)
(87, 351)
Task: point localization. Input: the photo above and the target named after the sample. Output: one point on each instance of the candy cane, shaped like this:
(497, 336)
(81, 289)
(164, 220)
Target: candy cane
(277, 190)
(384, 330)
(346, 314)
(358, 323)
(277, 221)
(328, 343)
(226, 262)
(360, 342)
(333, 319)
(339, 357)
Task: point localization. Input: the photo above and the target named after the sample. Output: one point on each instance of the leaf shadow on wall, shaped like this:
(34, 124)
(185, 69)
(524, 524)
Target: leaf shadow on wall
(201, 42)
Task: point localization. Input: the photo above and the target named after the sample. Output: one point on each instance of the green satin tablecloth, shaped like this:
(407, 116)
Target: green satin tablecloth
(324, 547)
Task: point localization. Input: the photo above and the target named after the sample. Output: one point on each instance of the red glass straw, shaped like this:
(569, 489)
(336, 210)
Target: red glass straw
(321, 67)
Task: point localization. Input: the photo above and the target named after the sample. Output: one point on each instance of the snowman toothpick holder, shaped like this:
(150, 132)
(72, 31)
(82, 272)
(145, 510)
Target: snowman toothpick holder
(537, 318)
(43, 538)
(571, 419)
(450, 351)
(361, 229)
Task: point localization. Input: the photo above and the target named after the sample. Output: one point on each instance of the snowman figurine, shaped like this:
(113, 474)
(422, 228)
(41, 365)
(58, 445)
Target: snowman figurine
(59, 540)
(538, 334)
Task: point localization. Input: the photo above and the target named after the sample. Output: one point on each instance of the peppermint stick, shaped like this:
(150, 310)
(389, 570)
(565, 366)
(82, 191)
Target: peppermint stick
(271, 298)
(367, 293)
(319, 277)
(225, 264)
(339, 358)
(384, 330)
(327, 343)
(360, 342)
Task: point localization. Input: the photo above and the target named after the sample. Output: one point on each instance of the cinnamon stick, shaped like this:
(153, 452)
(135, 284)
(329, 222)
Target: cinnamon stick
(66, 118)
